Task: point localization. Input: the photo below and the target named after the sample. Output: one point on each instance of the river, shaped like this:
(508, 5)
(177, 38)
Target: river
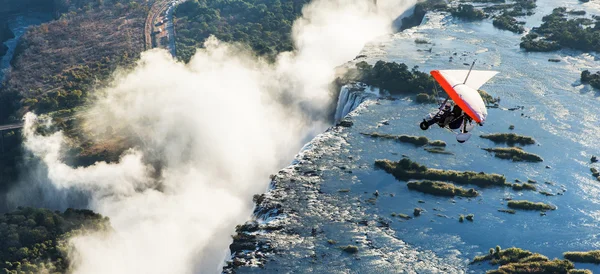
(559, 112)
(19, 24)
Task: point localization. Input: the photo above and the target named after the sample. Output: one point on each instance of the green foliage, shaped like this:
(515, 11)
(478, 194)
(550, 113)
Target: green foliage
(580, 271)
(557, 31)
(264, 25)
(441, 189)
(32, 238)
(391, 76)
(525, 186)
(468, 12)
(437, 143)
(515, 154)
(424, 98)
(507, 22)
(583, 257)
(527, 205)
(406, 169)
(593, 79)
(509, 138)
(415, 140)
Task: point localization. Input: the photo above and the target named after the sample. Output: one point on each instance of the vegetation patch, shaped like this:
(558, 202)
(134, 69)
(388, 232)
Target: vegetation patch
(593, 79)
(515, 154)
(583, 257)
(415, 140)
(507, 22)
(437, 143)
(397, 78)
(405, 170)
(438, 150)
(510, 139)
(264, 25)
(35, 239)
(527, 205)
(352, 249)
(526, 186)
(515, 260)
(557, 31)
(509, 211)
(487, 98)
(441, 189)
(424, 98)
(468, 12)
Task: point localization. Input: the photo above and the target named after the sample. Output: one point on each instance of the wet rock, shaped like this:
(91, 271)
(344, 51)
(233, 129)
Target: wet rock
(417, 212)
(345, 123)
(594, 159)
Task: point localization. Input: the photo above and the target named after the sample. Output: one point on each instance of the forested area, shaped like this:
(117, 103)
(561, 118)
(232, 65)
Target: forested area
(559, 31)
(56, 64)
(264, 25)
(35, 240)
(393, 77)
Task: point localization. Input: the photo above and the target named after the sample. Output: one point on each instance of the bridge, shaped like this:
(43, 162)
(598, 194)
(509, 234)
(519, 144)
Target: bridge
(6, 127)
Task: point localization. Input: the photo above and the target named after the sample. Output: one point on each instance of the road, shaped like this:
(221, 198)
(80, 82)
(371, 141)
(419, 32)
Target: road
(159, 31)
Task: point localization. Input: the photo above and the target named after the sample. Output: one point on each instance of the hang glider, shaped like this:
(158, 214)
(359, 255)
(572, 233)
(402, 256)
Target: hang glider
(462, 88)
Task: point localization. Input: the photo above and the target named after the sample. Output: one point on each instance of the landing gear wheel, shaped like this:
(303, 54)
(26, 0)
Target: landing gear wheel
(423, 125)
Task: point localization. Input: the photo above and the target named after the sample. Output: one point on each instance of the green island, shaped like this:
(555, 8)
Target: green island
(507, 22)
(509, 138)
(441, 189)
(438, 150)
(558, 31)
(515, 260)
(405, 170)
(526, 186)
(415, 140)
(394, 77)
(583, 257)
(515, 154)
(35, 240)
(593, 79)
(528, 205)
(468, 12)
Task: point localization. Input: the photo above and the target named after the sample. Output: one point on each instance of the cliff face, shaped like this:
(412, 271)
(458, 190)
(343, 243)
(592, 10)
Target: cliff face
(5, 34)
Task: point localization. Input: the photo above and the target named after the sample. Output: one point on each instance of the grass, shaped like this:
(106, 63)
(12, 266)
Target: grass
(415, 140)
(580, 271)
(438, 150)
(515, 154)
(525, 186)
(515, 260)
(583, 257)
(441, 189)
(437, 143)
(528, 205)
(405, 170)
(509, 138)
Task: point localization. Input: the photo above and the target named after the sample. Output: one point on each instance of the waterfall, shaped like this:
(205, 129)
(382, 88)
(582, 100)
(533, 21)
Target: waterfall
(351, 96)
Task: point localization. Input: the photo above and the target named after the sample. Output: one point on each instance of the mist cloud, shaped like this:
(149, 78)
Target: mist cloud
(218, 126)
